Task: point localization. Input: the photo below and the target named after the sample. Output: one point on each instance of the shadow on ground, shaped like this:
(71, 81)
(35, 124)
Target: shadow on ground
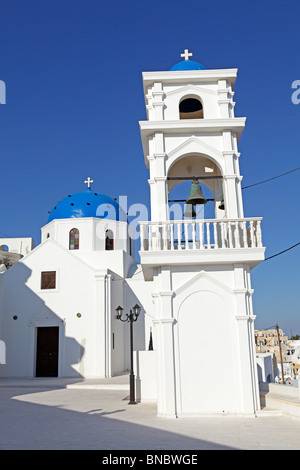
(35, 418)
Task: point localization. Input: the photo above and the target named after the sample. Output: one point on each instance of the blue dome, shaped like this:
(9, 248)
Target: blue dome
(87, 204)
(188, 65)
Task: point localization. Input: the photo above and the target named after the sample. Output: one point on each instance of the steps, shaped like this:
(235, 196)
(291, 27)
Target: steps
(283, 398)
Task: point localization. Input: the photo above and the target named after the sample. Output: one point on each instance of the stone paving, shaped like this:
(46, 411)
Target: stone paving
(68, 415)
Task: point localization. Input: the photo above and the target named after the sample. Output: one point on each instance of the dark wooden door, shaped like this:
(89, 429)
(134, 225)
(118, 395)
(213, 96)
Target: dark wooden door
(47, 352)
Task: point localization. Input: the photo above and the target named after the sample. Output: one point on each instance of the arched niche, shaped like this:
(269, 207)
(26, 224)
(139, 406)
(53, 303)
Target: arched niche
(207, 311)
(190, 107)
(189, 166)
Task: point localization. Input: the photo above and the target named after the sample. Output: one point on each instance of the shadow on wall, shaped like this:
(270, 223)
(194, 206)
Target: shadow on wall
(123, 295)
(33, 334)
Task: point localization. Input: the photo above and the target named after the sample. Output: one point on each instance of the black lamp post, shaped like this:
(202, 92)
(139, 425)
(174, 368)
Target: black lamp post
(130, 317)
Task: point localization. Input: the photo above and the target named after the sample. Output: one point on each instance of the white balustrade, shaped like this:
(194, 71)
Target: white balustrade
(208, 234)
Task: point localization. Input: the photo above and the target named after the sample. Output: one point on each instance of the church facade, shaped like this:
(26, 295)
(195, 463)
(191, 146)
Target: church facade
(57, 304)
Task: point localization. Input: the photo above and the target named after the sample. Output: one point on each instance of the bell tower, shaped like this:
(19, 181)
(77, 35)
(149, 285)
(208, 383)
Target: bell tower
(200, 268)
(190, 112)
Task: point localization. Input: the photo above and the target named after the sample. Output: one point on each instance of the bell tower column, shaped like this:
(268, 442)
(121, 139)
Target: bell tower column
(164, 324)
(158, 180)
(232, 179)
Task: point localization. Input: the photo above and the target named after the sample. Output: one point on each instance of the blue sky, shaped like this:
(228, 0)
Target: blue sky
(73, 75)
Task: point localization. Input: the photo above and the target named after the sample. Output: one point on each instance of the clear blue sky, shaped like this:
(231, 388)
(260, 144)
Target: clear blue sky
(73, 72)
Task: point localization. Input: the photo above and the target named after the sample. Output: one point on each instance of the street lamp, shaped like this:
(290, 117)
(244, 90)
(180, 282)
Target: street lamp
(130, 317)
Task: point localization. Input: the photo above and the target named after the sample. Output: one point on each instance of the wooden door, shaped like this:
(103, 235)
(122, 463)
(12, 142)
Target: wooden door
(47, 352)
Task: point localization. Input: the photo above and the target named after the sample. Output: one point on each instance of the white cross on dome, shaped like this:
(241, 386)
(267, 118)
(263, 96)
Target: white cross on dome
(89, 182)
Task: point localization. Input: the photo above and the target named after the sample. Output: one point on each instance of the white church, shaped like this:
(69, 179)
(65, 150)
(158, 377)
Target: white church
(192, 282)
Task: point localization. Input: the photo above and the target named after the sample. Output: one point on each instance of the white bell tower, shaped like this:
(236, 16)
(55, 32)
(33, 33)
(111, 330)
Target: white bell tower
(204, 323)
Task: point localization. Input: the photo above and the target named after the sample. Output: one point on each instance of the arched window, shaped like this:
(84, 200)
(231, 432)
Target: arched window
(74, 239)
(4, 248)
(190, 108)
(109, 240)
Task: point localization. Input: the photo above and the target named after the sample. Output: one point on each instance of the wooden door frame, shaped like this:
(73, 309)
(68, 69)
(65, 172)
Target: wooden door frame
(32, 344)
(43, 349)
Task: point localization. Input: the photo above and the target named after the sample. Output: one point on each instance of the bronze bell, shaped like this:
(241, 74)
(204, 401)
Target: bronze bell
(189, 211)
(196, 196)
(221, 206)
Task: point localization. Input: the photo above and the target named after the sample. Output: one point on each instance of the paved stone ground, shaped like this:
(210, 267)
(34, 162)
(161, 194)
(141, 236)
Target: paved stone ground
(44, 415)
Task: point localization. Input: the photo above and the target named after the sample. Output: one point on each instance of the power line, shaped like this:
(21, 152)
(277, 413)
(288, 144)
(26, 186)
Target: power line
(273, 178)
(264, 181)
(277, 254)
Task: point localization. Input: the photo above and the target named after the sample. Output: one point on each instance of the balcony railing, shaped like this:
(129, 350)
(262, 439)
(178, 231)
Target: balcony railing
(208, 234)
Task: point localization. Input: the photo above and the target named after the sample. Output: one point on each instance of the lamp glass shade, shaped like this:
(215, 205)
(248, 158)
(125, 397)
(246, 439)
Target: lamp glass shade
(119, 311)
(136, 310)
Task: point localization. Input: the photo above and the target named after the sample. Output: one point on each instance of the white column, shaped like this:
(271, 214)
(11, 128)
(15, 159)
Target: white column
(164, 324)
(153, 201)
(158, 104)
(149, 107)
(166, 405)
(224, 100)
(245, 319)
(100, 332)
(231, 180)
(158, 176)
(108, 338)
(230, 196)
(236, 168)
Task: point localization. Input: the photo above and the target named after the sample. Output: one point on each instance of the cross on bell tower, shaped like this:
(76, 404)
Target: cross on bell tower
(186, 54)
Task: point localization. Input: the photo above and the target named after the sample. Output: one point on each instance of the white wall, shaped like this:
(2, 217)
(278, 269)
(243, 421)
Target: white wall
(92, 284)
(78, 290)
(207, 93)
(91, 233)
(205, 333)
(265, 367)
(145, 371)
(21, 246)
(203, 329)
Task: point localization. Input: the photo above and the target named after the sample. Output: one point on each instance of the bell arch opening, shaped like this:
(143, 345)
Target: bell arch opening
(190, 107)
(199, 178)
(179, 206)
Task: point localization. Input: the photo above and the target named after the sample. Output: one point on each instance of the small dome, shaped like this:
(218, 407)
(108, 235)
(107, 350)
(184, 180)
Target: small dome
(87, 204)
(188, 65)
